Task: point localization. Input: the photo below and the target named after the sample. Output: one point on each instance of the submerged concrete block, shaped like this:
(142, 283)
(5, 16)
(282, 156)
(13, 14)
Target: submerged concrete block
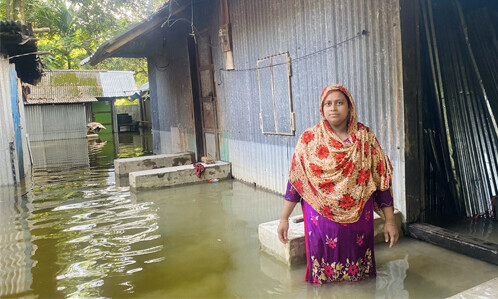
(122, 167)
(294, 252)
(178, 175)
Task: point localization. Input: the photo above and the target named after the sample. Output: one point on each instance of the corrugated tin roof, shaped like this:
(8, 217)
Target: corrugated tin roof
(111, 47)
(144, 87)
(18, 41)
(80, 86)
(118, 84)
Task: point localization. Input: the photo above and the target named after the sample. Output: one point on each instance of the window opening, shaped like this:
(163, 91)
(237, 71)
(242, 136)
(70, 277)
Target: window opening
(276, 115)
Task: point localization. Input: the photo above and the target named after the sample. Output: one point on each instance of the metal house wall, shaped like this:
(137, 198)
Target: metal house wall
(6, 124)
(171, 92)
(369, 65)
(7, 134)
(52, 122)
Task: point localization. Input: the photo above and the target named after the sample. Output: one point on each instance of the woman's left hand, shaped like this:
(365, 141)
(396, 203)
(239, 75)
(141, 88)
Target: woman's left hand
(391, 233)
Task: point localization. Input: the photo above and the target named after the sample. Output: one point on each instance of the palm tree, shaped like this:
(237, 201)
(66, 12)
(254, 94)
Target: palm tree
(61, 17)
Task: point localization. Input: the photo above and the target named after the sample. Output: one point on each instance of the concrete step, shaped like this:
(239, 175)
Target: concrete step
(122, 167)
(178, 175)
(294, 252)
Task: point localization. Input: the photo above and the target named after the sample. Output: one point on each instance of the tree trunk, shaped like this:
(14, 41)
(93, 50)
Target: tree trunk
(15, 10)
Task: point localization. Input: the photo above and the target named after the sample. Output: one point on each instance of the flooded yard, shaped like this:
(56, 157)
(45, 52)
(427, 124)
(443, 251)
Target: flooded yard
(75, 233)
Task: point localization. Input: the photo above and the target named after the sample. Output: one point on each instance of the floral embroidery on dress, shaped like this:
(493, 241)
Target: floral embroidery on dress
(367, 215)
(314, 220)
(332, 243)
(359, 239)
(323, 272)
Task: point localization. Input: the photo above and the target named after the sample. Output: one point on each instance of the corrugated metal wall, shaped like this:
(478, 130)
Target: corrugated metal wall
(171, 91)
(6, 125)
(51, 122)
(460, 128)
(369, 65)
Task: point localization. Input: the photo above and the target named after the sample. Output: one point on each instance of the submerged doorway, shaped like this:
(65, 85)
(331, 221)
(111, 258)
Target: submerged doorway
(204, 96)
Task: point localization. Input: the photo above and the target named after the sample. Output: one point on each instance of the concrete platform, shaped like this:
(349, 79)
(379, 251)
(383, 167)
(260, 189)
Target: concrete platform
(489, 289)
(178, 175)
(294, 252)
(122, 167)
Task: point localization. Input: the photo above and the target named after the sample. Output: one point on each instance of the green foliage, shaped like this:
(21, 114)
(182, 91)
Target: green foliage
(126, 102)
(78, 27)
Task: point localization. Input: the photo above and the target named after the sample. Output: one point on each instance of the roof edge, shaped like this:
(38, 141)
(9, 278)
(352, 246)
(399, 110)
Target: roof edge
(107, 49)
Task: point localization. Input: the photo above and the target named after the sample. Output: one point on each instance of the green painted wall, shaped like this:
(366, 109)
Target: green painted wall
(101, 106)
(103, 118)
(224, 152)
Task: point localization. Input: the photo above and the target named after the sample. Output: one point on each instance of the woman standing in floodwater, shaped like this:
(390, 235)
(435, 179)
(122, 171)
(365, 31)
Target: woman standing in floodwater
(341, 175)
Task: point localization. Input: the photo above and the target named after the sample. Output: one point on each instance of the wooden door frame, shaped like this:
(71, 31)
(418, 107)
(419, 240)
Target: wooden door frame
(212, 99)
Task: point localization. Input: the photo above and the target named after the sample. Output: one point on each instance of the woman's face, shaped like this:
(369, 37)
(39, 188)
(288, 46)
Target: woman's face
(336, 110)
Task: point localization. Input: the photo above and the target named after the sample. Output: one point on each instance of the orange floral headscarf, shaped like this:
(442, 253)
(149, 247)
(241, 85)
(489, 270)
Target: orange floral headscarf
(335, 177)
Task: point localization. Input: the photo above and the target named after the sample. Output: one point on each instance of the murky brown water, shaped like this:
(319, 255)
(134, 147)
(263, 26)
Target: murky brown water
(76, 234)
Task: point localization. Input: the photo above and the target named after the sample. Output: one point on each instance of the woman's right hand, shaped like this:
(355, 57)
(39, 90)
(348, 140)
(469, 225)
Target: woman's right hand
(282, 230)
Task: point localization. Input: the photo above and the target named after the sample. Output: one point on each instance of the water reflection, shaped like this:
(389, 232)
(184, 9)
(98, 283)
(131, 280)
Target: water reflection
(390, 279)
(15, 243)
(481, 228)
(88, 230)
(93, 237)
(59, 154)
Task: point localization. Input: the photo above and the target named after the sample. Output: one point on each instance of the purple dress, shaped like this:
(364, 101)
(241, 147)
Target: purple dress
(339, 251)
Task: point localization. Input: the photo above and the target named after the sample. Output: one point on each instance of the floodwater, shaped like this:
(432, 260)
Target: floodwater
(74, 233)
(480, 228)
